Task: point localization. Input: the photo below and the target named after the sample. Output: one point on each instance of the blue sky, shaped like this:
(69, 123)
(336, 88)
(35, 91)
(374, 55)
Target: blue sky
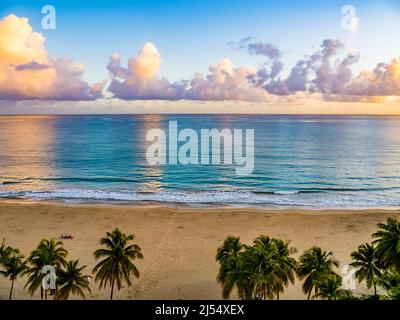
(192, 35)
(175, 39)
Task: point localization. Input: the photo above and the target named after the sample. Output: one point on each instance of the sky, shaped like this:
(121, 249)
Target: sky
(200, 56)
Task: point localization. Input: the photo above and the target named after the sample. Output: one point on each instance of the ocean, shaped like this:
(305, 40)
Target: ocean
(299, 161)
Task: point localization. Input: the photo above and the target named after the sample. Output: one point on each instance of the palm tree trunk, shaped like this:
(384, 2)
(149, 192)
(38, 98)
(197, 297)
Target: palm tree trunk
(374, 288)
(112, 288)
(41, 293)
(11, 290)
(277, 295)
(309, 293)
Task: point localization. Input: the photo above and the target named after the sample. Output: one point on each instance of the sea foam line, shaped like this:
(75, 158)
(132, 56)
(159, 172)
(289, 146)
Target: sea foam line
(277, 199)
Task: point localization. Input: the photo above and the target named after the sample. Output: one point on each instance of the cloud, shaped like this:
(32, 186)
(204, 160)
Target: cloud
(27, 71)
(311, 74)
(270, 69)
(264, 49)
(367, 85)
(140, 80)
(225, 82)
(384, 80)
(327, 72)
(33, 65)
(316, 73)
(257, 48)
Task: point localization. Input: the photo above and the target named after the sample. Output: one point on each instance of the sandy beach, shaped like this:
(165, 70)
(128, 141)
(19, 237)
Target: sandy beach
(179, 244)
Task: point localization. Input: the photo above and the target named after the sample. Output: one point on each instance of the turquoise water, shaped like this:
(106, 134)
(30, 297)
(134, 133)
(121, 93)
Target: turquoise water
(300, 161)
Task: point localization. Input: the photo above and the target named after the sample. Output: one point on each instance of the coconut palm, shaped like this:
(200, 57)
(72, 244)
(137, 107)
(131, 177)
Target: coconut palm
(258, 272)
(14, 266)
(389, 279)
(330, 288)
(231, 248)
(5, 251)
(390, 282)
(236, 272)
(366, 263)
(394, 293)
(232, 271)
(71, 280)
(388, 243)
(284, 265)
(265, 280)
(262, 278)
(117, 266)
(48, 253)
(314, 265)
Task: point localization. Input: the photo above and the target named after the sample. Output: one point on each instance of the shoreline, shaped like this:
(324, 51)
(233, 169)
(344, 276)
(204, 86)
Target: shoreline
(179, 243)
(181, 205)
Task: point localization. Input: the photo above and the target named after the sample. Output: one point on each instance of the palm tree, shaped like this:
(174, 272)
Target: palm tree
(390, 282)
(231, 248)
(284, 265)
(388, 243)
(237, 273)
(5, 251)
(48, 253)
(367, 264)
(71, 281)
(330, 288)
(232, 270)
(117, 265)
(259, 271)
(394, 293)
(314, 265)
(265, 280)
(389, 279)
(14, 265)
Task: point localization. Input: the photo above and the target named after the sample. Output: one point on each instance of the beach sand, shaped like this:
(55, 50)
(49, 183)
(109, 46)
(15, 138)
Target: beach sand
(179, 244)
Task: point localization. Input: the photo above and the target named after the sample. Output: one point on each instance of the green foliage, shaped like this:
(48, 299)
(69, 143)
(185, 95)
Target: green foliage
(314, 266)
(329, 288)
(12, 263)
(260, 271)
(48, 253)
(71, 281)
(394, 293)
(366, 262)
(388, 244)
(117, 264)
(5, 252)
(390, 282)
(232, 256)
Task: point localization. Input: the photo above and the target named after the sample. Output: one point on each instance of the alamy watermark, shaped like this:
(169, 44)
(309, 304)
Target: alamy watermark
(49, 279)
(214, 146)
(49, 21)
(350, 21)
(349, 281)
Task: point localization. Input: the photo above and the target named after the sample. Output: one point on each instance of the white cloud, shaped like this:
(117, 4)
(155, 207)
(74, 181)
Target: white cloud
(27, 71)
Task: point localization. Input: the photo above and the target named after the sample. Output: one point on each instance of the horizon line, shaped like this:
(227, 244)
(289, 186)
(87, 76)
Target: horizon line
(205, 114)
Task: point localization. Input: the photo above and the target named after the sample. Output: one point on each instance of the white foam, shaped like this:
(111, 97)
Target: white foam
(233, 198)
(286, 192)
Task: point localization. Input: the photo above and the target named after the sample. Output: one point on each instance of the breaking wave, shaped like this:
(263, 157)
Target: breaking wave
(305, 199)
